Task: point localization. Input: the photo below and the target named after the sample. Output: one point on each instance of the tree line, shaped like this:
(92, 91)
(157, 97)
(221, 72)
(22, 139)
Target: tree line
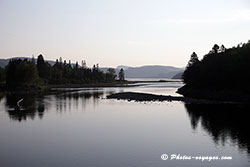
(33, 73)
(221, 69)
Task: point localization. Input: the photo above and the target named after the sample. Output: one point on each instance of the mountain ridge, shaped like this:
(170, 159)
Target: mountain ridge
(147, 71)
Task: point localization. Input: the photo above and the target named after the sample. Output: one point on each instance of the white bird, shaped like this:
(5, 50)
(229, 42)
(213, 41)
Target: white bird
(18, 103)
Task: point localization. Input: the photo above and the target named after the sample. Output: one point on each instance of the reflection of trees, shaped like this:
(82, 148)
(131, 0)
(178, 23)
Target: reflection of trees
(34, 106)
(222, 122)
(26, 113)
(67, 99)
(1, 96)
(29, 107)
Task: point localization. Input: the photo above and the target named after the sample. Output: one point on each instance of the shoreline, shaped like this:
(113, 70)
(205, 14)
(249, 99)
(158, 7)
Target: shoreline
(140, 97)
(48, 88)
(213, 94)
(126, 83)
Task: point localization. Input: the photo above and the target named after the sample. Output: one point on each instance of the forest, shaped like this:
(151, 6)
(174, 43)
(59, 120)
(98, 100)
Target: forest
(222, 69)
(39, 72)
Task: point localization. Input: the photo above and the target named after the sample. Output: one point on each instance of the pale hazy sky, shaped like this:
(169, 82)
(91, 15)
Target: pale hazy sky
(121, 32)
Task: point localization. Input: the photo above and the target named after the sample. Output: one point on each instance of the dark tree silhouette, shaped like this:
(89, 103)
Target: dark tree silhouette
(110, 74)
(40, 66)
(225, 71)
(215, 48)
(76, 66)
(43, 67)
(33, 59)
(21, 72)
(2, 75)
(193, 60)
(192, 69)
(222, 48)
(121, 75)
(24, 72)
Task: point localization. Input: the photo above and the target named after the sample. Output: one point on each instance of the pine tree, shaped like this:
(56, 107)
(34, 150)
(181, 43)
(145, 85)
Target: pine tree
(193, 59)
(121, 75)
(192, 69)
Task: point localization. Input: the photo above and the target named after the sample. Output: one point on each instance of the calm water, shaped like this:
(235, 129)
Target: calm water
(83, 128)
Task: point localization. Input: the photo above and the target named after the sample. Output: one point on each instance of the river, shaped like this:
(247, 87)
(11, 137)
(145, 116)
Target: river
(83, 128)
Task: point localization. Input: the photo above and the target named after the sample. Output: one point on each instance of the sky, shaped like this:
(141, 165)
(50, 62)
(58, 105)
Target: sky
(121, 32)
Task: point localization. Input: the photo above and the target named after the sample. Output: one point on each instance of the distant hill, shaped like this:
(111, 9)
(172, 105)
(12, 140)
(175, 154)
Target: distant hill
(178, 75)
(122, 66)
(117, 69)
(153, 71)
(104, 69)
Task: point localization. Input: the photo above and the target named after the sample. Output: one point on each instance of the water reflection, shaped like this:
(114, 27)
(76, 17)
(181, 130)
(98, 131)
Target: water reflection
(34, 106)
(70, 100)
(223, 122)
(29, 107)
(1, 96)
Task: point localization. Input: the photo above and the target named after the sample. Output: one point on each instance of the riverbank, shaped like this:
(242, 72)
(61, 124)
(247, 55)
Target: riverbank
(152, 97)
(47, 88)
(213, 94)
(111, 84)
